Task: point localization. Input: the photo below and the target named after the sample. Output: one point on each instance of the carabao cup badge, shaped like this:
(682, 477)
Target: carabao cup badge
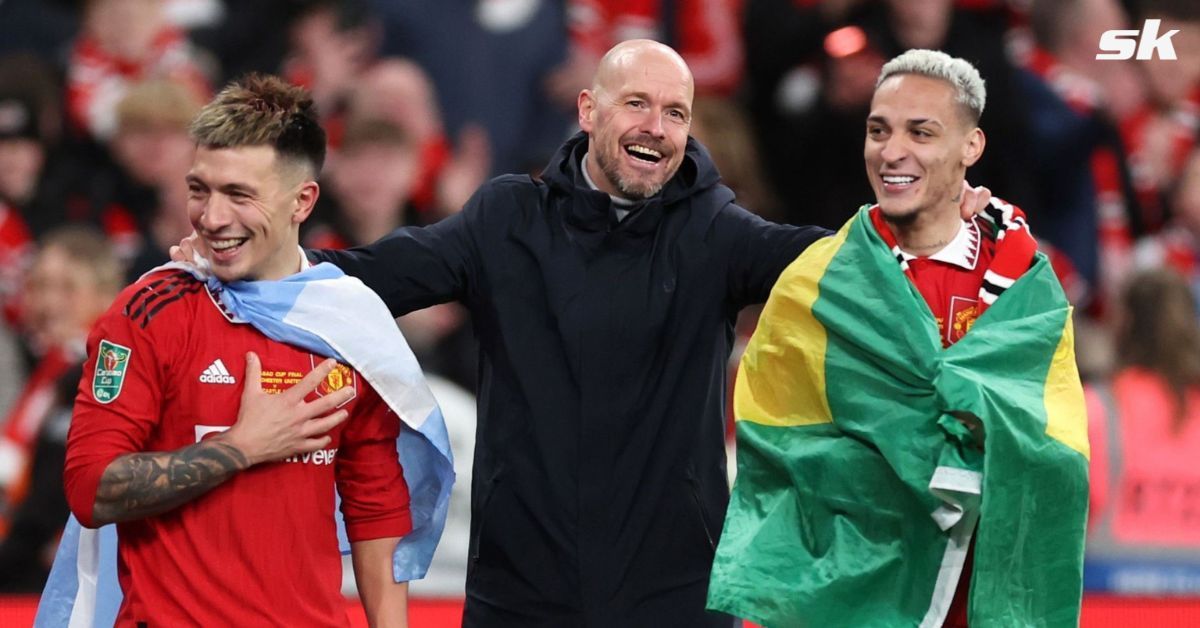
(112, 360)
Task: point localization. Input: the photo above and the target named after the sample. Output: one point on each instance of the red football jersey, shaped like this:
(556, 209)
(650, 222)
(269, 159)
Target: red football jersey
(165, 369)
(950, 281)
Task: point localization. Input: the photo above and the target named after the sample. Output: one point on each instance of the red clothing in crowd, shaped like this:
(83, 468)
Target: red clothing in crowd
(28, 412)
(1145, 484)
(16, 252)
(1151, 179)
(98, 79)
(1174, 247)
(165, 369)
(1115, 234)
(707, 33)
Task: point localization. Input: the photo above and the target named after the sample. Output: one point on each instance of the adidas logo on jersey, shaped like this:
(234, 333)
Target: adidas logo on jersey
(216, 373)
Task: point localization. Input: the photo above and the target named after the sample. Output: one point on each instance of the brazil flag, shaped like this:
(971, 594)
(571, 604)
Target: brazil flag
(859, 488)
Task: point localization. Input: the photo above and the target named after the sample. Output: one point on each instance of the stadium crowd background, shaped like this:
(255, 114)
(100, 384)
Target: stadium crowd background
(424, 100)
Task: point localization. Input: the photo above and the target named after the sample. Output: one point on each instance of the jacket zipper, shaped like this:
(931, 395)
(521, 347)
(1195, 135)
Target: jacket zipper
(692, 486)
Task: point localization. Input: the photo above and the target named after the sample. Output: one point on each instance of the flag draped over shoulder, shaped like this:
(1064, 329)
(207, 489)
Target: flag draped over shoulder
(328, 313)
(858, 489)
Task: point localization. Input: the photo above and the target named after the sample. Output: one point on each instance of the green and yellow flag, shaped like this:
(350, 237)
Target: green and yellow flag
(858, 490)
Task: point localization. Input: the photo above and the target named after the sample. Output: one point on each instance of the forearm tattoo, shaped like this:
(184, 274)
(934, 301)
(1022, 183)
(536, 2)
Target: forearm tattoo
(141, 485)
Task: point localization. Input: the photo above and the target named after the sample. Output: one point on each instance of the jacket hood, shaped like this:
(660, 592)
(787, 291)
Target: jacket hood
(593, 209)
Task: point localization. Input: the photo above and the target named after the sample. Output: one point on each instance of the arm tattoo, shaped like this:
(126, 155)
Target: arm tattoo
(140, 485)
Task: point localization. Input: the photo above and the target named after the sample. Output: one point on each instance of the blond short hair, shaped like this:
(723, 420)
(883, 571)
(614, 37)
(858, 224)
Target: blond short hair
(264, 110)
(969, 89)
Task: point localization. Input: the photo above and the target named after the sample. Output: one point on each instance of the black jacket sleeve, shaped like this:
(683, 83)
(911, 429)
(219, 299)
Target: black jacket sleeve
(414, 267)
(760, 251)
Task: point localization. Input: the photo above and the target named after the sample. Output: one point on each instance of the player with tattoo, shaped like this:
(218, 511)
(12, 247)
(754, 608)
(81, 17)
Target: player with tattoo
(217, 450)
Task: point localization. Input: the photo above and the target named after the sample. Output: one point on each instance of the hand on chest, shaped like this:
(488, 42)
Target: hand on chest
(210, 382)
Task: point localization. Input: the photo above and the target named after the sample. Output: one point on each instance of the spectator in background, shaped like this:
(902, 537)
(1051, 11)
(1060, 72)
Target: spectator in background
(368, 195)
(334, 52)
(26, 90)
(1079, 173)
(22, 153)
(121, 43)
(368, 187)
(51, 177)
(21, 161)
(30, 130)
(75, 275)
(398, 90)
(810, 76)
(154, 153)
(1177, 247)
(1145, 426)
(488, 61)
(1162, 130)
(332, 43)
(723, 127)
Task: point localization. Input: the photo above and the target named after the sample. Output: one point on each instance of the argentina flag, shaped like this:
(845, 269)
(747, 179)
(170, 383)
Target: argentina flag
(325, 312)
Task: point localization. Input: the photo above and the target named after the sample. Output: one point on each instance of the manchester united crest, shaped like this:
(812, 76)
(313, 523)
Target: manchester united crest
(963, 313)
(340, 377)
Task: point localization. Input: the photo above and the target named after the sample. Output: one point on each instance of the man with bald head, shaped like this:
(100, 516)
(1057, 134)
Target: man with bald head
(632, 154)
(604, 296)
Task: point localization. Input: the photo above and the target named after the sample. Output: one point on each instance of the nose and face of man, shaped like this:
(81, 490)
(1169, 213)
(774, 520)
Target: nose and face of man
(637, 116)
(919, 143)
(246, 205)
(63, 296)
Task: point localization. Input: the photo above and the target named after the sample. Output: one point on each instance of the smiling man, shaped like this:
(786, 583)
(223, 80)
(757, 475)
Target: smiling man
(604, 296)
(627, 158)
(883, 419)
(216, 449)
(921, 137)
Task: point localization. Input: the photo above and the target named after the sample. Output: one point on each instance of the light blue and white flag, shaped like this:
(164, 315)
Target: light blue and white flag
(326, 312)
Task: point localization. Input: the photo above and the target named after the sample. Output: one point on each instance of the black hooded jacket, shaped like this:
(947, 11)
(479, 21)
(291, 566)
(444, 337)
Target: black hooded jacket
(599, 477)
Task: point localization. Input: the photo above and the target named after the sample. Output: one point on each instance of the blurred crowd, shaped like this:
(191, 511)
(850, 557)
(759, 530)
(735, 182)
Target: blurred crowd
(425, 100)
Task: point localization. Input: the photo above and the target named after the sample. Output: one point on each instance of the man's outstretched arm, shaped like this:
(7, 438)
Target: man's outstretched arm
(411, 268)
(269, 427)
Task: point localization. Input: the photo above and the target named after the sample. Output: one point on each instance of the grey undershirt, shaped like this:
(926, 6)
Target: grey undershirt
(618, 202)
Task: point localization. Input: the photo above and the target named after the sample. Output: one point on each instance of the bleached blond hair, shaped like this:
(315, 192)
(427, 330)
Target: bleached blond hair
(969, 90)
(260, 109)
